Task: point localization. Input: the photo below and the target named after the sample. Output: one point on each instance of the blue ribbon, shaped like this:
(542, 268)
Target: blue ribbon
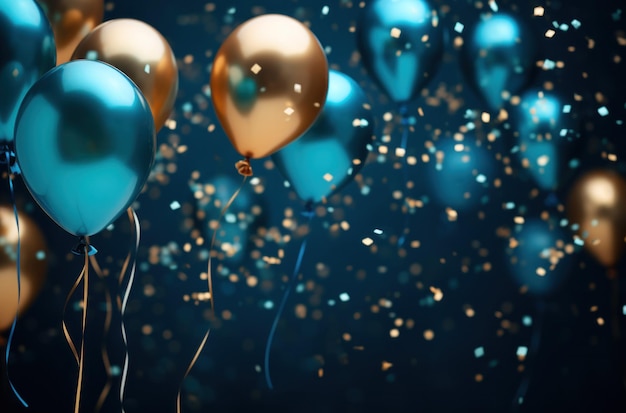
(308, 213)
(9, 158)
(404, 121)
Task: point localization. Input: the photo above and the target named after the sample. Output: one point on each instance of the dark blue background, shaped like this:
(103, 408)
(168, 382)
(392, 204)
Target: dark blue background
(576, 369)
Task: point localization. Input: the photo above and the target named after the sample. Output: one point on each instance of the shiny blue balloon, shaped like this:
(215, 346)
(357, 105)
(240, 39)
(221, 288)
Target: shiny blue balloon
(27, 51)
(401, 45)
(498, 58)
(85, 143)
(544, 129)
(334, 149)
(538, 261)
(460, 175)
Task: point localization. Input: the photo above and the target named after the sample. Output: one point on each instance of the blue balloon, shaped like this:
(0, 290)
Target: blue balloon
(401, 45)
(537, 260)
(545, 128)
(27, 51)
(334, 149)
(460, 174)
(498, 58)
(85, 143)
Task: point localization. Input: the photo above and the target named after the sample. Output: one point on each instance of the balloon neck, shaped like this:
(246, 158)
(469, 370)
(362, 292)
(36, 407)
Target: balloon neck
(83, 247)
(403, 111)
(243, 167)
(611, 273)
(7, 157)
(308, 210)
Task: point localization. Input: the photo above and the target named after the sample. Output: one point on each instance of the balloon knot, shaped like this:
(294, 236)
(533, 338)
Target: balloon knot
(243, 167)
(82, 247)
(8, 158)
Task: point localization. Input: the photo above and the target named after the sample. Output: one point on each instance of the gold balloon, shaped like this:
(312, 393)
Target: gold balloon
(268, 83)
(143, 54)
(33, 257)
(71, 20)
(597, 204)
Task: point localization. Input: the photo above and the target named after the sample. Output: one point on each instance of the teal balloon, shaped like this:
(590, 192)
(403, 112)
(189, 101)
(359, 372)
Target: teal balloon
(27, 51)
(334, 149)
(85, 144)
(461, 176)
(545, 130)
(538, 260)
(401, 45)
(498, 58)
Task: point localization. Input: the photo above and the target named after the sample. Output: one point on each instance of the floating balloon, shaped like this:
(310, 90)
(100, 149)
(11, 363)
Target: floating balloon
(401, 44)
(71, 20)
(26, 53)
(268, 83)
(498, 58)
(334, 149)
(85, 143)
(461, 174)
(33, 264)
(537, 257)
(595, 208)
(143, 54)
(545, 129)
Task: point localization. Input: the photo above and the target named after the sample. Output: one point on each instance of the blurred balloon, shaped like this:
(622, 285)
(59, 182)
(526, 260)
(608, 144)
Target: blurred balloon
(401, 44)
(33, 264)
(545, 129)
(143, 54)
(498, 58)
(334, 149)
(268, 83)
(85, 143)
(537, 257)
(461, 174)
(71, 20)
(596, 211)
(26, 53)
(234, 230)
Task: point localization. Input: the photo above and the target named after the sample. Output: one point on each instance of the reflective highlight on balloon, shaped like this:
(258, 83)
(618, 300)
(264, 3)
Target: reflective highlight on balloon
(461, 174)
(498, 58)
(537, 259)
(34, 264)
(545, 129)
(334, 149)
(595, 210)
(143, 54)
(268, 83)
(71, 20)
(85, 143)
(27, 52)
(401, 44)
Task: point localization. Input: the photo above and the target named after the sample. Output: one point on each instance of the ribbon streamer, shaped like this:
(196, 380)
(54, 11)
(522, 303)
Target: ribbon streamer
(245, 170)
(105, 332)
(135, 225)
(309, 214)
(535, 341)
(403, 109)
(9, 159)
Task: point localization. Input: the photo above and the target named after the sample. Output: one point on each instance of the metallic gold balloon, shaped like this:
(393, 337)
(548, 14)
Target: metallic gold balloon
(268, 83)
(33, 257)
(596, 204)
(71, 20)
(143, 54)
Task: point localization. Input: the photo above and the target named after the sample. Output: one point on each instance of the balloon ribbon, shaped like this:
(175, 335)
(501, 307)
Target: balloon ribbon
(83, 248)
(244, 169)
(134, 222)
(105, 332)
(405, 174)
(613, 276)
(9, 158)
(535, 341)
(308, 213)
